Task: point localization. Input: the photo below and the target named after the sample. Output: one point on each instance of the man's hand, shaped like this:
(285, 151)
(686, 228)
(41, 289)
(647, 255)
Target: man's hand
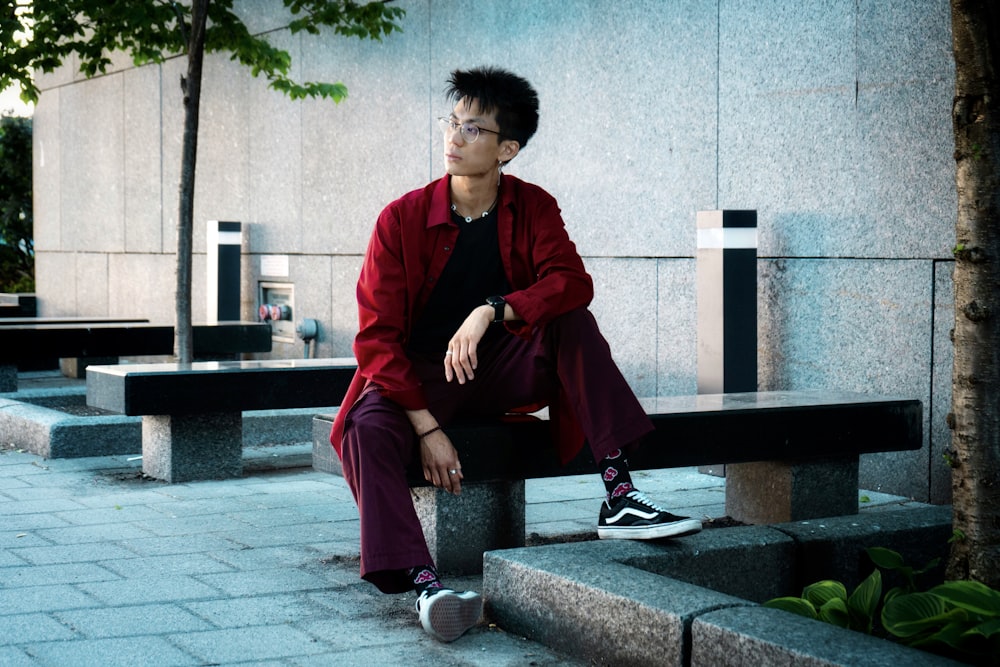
(440, 460)
(460, 360)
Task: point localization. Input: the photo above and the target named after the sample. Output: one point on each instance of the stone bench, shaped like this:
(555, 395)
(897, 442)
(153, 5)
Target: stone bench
(192, 413)
(107, 340)
(790, 455)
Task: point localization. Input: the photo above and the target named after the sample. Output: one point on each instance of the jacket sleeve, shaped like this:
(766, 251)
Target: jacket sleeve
(552, 277)
(382, 316)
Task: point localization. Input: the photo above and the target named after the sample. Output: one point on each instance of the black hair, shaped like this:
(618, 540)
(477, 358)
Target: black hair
(510, 96)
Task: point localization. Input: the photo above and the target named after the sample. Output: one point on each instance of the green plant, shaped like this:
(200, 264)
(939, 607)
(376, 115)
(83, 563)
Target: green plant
(960, 619)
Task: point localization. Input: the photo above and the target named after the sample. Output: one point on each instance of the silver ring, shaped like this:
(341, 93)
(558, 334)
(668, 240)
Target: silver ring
(448, 353)
(452, 472)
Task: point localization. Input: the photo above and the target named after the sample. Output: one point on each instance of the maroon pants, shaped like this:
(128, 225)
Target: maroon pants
(379, 442)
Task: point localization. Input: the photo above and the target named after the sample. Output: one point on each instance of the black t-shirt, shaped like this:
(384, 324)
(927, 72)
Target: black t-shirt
(473, 272)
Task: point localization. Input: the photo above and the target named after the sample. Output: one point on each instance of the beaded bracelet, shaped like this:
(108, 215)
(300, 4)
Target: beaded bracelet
(424, 435)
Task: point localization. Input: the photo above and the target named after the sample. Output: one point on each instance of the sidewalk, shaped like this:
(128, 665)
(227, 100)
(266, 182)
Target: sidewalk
(99, 566)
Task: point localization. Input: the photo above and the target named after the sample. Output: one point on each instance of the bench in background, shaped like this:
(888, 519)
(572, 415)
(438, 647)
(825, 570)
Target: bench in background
(794, 455)
(109, 340)
(192, 413)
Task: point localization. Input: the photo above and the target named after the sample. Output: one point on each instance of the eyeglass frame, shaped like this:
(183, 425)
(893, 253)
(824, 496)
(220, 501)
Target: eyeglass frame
(451, 124)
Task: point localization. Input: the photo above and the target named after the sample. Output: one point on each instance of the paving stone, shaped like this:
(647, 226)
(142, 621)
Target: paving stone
(77, 553)
(259, 582)
(115, 652)
(29, 599)
(47, 575)
(95, 533)
(241, 644)
(182, 544)
(165, 566)
(147, 590)
(12, 656)
(111, 514)
(132, 621)
(35, 627)
(261, 610)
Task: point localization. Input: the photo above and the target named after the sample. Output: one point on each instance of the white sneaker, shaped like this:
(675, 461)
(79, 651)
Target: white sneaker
(446, 615)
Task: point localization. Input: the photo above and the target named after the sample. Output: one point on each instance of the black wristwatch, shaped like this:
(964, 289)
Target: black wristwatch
(499, 304)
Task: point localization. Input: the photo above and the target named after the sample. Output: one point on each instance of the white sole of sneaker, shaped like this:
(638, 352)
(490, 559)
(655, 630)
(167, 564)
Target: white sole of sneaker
(676, 529)
(447, 616)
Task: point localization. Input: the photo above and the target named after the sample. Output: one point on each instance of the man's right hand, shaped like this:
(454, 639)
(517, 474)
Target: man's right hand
(440, 460)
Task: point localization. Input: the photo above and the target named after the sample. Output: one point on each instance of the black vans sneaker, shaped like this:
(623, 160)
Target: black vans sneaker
(446, 615)
(635, 517)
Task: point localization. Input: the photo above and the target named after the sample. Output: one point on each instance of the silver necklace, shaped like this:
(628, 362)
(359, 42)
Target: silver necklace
(468, 218)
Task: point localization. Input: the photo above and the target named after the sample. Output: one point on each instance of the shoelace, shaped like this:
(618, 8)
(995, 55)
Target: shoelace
(640, 497)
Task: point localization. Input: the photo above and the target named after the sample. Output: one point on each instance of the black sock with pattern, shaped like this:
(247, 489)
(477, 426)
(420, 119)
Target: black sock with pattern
(424, 577)
(615, 473)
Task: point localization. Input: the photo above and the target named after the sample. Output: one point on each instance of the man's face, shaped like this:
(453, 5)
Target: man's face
(465, 158)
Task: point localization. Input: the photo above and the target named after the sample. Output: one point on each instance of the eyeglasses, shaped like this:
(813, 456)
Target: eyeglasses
(469, 131)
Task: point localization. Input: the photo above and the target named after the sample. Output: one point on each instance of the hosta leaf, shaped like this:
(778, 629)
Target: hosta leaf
(913, 613)
(823, 591)
(835, 613)
(794, 605)
(990, 628)
(866, 596)
(887, 558)
(971, 595)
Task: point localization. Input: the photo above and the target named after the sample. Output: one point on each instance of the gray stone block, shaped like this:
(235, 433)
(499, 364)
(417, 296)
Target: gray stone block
(741, 636)
(180, 448)
(35, 423)
(834, 548)
(459, 529)
(324, 457)
(754, 563)
(779, 491)
(583, 600)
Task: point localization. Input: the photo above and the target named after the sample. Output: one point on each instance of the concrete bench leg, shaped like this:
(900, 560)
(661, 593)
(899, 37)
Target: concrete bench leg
(778, 492)
(181, 448)
(459, 529)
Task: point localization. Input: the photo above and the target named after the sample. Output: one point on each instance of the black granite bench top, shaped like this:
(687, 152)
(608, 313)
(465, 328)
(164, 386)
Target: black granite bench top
(73, 319)
(123, 339)
(219, 386)
(697, 430)
(703, 430)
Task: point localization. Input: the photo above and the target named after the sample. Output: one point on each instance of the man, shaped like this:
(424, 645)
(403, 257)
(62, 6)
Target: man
(473, 300)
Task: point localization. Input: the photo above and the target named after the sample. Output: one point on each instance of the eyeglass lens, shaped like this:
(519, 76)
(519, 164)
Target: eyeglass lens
(469, 131)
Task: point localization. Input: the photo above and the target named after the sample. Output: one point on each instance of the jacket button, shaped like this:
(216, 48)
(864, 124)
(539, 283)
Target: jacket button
(447, 248)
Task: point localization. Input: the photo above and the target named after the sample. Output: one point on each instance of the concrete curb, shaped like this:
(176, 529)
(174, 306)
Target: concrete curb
(32, 420)
(636, 603)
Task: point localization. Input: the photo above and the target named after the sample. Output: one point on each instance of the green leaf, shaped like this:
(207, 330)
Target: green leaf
(793, 605)
(909, 615)
(886, 558)
(835, 612)
(988, 629)
(823, 591)
(952, 634)
(970, 595)
(864, 601)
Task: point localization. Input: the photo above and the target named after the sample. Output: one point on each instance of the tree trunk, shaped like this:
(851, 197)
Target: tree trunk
(975, 416)
(191, 84)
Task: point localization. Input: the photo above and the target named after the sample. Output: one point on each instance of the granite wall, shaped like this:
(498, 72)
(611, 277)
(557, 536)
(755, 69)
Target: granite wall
(830, 118)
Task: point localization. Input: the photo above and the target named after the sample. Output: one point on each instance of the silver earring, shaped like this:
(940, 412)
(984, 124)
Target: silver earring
(499, 168)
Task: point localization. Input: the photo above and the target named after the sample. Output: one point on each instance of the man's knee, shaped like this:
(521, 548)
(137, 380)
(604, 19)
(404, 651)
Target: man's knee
(374, 425)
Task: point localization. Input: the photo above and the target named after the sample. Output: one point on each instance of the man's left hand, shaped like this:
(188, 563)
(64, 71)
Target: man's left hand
(460, 360)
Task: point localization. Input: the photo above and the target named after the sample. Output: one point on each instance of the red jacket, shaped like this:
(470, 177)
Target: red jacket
(408, 250)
